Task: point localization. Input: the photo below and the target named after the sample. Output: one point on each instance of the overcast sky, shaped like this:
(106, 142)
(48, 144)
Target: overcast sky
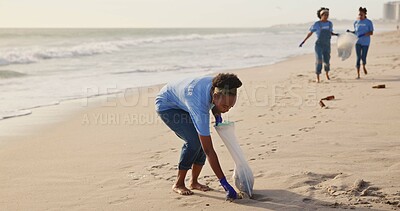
(175, 13)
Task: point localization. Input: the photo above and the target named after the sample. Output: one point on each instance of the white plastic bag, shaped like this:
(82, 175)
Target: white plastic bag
(345, 45)
(242, 175)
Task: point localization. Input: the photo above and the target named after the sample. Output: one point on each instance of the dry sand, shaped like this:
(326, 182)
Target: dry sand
(122, 157)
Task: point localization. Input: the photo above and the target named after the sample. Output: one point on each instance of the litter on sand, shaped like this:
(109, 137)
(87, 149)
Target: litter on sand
(345, 45)
(242, 175)
(322, 104)
(380, 86)
(331, 97)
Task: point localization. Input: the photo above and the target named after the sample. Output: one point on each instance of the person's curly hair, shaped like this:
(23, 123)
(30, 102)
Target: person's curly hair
(319, 11)
(364, 10)
(226, 81)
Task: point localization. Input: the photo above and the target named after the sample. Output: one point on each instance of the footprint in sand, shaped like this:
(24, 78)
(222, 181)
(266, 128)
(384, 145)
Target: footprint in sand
(134, 176)
(306, 200)
(156, 156)
(173, 168)
(259, 174)
(120, 200)
(171, 178)
(158, 166)
(306, 129)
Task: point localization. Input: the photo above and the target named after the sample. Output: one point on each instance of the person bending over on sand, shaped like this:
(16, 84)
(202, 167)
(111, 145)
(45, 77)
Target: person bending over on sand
(184, 106)
(363, 28)
(324, 30)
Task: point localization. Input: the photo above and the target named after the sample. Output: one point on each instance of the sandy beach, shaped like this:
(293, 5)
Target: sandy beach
(116, 154)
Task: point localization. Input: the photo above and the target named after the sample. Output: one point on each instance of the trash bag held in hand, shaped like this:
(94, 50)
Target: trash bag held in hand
(242, 175)
(345, 45)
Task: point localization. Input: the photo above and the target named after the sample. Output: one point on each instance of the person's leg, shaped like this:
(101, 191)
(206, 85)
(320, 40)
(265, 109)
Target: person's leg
(318, 62)
(364, 58)
(327, 57)
(179, 186)
(173, 119)
(180, 122)
(358, 53)
(196, 169)
(194, 183)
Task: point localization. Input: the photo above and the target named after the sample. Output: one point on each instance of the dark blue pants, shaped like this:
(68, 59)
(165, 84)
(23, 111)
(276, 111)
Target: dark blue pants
(322, 55)
(361, 52)
(181, 123)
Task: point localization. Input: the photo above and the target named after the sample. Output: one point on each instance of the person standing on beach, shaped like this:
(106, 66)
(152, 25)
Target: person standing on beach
(324, 30)
(184, 106)
(363, 28)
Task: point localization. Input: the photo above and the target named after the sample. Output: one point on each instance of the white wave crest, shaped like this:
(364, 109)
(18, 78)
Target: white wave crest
(35, 54)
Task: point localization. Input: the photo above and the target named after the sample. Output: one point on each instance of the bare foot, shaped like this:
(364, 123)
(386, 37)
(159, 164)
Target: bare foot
(365, 71)
(327, 76)
(198, 186)
(182, 190)
(358, 77)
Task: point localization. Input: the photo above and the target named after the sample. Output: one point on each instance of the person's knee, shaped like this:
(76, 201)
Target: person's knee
(201, 158)
(193, 146)
(327, 60)
(189, 155)
(183, 167)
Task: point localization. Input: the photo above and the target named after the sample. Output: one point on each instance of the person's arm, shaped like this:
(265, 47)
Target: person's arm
(354, 26)
(331, 29)
(371, 29)
(217, 115)
(308, 36)
(212, 157)
(366, 34)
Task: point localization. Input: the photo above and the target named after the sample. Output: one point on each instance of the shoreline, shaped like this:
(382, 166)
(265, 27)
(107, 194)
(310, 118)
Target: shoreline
(30, 109)
(303, 157)
(40, 110)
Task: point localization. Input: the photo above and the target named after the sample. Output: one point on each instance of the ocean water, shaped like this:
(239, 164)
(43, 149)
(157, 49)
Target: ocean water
(42, 67)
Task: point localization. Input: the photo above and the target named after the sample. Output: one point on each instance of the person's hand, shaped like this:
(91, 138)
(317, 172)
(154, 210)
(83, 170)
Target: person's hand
(230, 191)
(218, 119)
(301, 44)
(361, 35)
